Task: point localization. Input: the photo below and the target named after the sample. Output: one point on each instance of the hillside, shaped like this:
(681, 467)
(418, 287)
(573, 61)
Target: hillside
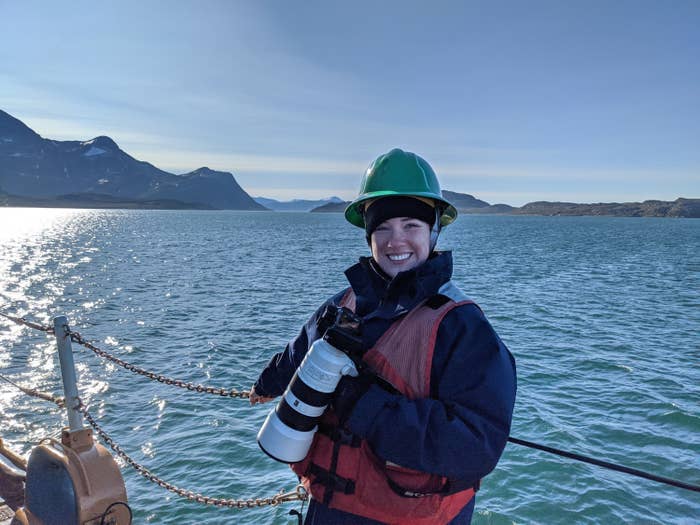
(465, 203)
(295, 204)
(32, 167)
(652, 208)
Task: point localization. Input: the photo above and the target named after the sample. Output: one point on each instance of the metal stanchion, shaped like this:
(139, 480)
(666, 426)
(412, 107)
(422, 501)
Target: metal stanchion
(70, 387)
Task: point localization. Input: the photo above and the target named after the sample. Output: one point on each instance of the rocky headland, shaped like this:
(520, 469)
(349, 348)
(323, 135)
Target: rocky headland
(465, 203)
(96, 173)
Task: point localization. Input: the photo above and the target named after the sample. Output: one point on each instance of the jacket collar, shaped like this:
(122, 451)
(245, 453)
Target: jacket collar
(380, 296)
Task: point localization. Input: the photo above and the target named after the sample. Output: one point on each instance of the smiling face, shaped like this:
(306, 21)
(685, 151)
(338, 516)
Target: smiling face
(400, 244)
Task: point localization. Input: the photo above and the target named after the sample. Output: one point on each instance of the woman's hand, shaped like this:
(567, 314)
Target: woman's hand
(256, 398)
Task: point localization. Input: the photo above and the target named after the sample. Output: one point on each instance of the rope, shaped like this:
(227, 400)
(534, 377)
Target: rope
(23, 321)
(36, 393)
(14, 458)
(606, 464)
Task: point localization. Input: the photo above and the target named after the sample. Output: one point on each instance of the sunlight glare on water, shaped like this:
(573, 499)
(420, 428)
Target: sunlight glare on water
(22, 223)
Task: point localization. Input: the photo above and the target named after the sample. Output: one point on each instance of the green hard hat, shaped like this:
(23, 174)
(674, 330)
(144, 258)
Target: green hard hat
(399, 173)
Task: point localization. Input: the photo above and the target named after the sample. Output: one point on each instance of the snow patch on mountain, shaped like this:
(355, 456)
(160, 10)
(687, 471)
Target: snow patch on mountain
(94, 151)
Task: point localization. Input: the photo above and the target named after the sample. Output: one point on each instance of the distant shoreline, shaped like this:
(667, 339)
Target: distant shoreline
(680, 208)
(98, 202)
(165, 207)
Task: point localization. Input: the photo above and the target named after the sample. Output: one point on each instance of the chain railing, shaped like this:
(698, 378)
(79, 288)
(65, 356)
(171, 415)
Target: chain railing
(194, 387)
(298, 494)
(79, 339)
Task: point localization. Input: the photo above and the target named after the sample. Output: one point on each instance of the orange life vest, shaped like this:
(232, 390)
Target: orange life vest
(343, 472)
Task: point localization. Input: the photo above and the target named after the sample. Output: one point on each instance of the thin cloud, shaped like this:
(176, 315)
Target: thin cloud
(456, 172)
(241, 162)
(287, 194)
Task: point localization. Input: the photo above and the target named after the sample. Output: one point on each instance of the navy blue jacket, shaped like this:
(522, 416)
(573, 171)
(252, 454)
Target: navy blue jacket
(462, 429)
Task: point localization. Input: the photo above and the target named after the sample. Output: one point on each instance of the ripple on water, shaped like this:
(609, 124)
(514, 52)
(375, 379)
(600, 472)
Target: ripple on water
(601, 315)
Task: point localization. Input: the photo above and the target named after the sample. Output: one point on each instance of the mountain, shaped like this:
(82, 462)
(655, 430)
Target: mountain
(462, 201)
(466, 203)
(294, 205)
(38, 168)
(469, 204)
(332, 207)
(652, 208)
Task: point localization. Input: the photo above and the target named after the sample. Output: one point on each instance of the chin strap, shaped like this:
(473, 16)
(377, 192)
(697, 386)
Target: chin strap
(435, 230)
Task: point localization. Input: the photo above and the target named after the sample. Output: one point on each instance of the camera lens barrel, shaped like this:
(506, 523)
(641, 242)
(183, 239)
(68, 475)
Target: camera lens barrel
(301, 405)
(289, 428)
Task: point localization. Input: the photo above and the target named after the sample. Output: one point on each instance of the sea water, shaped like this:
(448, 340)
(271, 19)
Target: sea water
(602, 315)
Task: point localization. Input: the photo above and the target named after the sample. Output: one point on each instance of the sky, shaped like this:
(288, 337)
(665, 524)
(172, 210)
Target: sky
(512, 102)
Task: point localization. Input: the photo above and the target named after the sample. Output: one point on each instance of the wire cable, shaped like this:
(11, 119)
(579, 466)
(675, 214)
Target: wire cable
(606, 464)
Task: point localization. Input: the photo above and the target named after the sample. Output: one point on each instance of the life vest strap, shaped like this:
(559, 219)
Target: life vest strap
(452, 486)
(340, 435)
(458, 485)
(330, 480)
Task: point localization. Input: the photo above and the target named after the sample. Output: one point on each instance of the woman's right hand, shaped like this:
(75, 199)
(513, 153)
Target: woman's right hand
(256, 398)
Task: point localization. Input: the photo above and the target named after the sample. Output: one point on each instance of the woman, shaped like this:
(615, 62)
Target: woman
(413, 452)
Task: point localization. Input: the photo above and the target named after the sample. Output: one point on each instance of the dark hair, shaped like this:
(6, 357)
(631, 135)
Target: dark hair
(389, 207)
